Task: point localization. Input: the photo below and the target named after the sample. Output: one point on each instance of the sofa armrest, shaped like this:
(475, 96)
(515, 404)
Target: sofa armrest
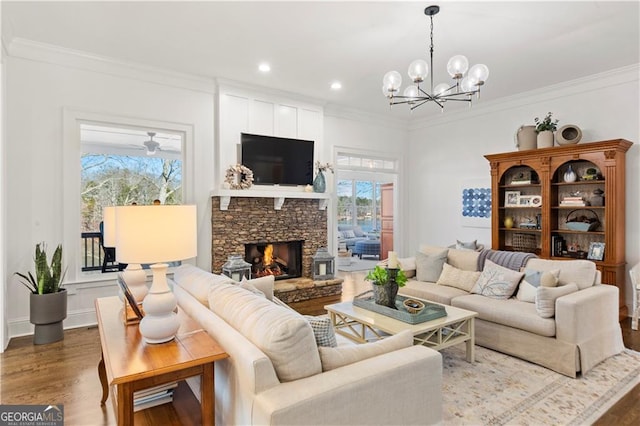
(582, 314)
(400, 387)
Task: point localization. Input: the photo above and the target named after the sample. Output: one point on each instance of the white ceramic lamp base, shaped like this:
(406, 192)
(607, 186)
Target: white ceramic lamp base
(136, 279)
(160, 323)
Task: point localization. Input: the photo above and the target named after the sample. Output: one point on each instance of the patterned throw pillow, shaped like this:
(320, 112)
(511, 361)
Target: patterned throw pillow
(534, 279)
(496, 281)
(349, 234)
(471, 245)
(323, 331)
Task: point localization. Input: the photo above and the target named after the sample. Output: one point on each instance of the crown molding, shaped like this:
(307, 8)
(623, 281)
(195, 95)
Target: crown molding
(70, 58)
(589, 83)
(341, 111)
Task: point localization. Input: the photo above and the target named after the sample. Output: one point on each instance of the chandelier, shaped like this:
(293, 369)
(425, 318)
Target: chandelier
(461, 90)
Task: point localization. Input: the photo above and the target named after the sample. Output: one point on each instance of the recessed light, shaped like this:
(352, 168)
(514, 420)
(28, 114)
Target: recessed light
(336, 85)
(264, 67)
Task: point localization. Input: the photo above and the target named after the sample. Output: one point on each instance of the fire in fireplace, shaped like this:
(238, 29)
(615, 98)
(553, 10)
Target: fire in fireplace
(281, 259)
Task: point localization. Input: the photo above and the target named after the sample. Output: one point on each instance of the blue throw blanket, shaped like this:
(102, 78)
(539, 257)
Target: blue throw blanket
(515, 260)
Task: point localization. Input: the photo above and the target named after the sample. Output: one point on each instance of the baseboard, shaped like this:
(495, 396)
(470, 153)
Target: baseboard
(76, 319)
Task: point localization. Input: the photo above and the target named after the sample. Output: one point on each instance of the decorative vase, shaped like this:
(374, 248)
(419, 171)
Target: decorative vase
(568, 135)
(545, 139)
(46, 312)
(570, 175)
(598, 198)
(385, 294)
(508, 222)
(319, 183)
(526, 138)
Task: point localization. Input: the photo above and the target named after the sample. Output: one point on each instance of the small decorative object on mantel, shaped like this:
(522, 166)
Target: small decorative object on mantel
(385, 283)
(320, 183)
(239, 177)
(545, 129)
(568, 134)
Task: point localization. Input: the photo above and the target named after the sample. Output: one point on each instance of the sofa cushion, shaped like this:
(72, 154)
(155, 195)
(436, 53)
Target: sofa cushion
(264, 284)
(344, 355)
(432, 291)
(580, 272)
(534, 279)
(546, 298)
(509, 312)
(463, 259)
(348, 233)
(458, 278)
(496, 281)
(197, 281)
(322, 331)
(471, 245)
(282, 334)
(429, 266)
(358, 231)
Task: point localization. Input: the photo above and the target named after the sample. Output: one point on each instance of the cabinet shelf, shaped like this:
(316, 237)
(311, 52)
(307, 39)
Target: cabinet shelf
(577, 207)
(528, 185)
(522, 230)
(579, 182)
(569, 231)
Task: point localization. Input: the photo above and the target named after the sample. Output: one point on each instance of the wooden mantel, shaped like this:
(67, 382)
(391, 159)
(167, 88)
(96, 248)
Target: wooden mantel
(278, 196)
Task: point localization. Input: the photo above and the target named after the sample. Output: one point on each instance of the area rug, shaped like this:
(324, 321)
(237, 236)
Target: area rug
(358, 265)
(502, 390)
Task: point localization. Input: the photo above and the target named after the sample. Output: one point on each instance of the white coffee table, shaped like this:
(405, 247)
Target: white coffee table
(362, 325)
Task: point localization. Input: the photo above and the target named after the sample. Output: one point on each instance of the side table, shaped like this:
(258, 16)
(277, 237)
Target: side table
(129, 364)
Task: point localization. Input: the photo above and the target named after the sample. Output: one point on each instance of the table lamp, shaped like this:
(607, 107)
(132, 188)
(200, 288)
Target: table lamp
(134, 276)
(154, 235)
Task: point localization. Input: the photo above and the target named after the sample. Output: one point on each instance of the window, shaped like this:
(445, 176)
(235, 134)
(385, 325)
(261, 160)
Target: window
(123, 166)
(359, 203)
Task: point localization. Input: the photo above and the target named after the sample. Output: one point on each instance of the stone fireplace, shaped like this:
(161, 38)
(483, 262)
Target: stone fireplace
(254, 220)
(282, 259)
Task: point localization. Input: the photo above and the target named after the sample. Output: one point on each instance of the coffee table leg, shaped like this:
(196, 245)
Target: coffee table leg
(471, 343)
(102, 373)
(207, 403)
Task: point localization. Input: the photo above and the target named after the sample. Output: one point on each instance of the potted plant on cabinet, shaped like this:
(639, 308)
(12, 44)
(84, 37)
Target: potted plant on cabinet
(385, 284)
(48, 300)
(545, 129)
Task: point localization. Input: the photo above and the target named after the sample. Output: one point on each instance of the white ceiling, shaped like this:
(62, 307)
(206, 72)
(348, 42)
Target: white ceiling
(526, 45)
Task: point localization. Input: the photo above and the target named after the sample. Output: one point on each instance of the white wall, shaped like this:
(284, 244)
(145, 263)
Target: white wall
(446, 151)
(41, 84)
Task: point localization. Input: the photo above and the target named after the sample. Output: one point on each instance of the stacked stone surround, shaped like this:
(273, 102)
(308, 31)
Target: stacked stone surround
(250, 220)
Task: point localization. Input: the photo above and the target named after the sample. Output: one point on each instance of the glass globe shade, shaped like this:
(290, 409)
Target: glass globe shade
(418, 70)
(411, 92)
(468, 84)
(479, 73)
(392, 81)
(457, 66)
(386, 92)
(441, 89)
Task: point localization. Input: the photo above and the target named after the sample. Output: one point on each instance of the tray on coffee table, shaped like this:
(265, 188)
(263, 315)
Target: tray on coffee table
(430, 312)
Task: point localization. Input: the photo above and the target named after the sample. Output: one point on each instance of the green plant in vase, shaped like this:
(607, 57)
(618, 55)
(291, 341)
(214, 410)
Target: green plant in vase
(385, 284)
(547, 123)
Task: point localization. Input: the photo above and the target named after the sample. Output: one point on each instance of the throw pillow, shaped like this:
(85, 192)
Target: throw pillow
(358, 232)
(348, 234)
(458, 278)
(534, 279)
(340, 235)
(546, 298)
(197, 281)
(463, 259)
(250, 287)
(264, 284)
(471, 245)
(429, 266)
(323, 331)
(497, 281)
(332, 358)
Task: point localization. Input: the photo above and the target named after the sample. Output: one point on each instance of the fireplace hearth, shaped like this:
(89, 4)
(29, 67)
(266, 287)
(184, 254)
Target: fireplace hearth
(282, 259)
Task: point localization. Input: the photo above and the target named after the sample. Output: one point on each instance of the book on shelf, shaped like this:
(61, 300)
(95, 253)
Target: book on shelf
(521, 182)
(152, 401)
(573, 203)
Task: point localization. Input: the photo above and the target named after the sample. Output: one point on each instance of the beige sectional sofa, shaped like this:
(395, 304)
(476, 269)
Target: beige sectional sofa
(568, 333)
(277, 374)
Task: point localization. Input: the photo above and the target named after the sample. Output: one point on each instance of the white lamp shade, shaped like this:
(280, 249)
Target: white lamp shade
(152, 234)
(109, 226)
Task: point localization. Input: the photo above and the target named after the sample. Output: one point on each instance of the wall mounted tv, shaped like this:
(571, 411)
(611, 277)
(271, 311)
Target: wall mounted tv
(279, 161)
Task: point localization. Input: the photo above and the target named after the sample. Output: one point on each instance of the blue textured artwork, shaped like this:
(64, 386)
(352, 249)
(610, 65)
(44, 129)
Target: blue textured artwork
(476, 202)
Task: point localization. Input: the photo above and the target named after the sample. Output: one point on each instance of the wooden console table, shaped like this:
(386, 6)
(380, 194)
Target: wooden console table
(129, 364)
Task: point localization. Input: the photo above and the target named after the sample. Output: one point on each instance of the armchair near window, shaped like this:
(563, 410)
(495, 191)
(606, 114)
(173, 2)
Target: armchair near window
(109, 263)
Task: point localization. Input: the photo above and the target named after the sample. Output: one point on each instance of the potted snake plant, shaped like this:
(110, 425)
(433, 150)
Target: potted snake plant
(48, 300)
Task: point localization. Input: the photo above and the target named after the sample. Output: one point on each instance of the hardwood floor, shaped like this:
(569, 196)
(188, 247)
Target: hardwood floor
(66, 373)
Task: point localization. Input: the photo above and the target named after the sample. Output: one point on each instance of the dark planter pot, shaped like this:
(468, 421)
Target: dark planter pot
(46, 312)
(385, 294)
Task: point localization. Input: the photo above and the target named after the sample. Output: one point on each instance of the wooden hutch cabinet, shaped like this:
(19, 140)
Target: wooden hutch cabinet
(535, 209)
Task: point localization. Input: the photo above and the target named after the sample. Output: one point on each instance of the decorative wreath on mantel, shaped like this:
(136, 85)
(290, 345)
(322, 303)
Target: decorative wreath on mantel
(239, 177)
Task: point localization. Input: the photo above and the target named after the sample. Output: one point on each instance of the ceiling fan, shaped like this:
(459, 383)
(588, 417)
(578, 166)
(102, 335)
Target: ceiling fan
(152, 146)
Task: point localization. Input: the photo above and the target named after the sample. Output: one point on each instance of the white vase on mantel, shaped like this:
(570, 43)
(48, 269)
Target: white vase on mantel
(545, 139)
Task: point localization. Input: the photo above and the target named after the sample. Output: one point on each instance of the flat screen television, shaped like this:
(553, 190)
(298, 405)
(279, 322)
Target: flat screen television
(279, 161)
